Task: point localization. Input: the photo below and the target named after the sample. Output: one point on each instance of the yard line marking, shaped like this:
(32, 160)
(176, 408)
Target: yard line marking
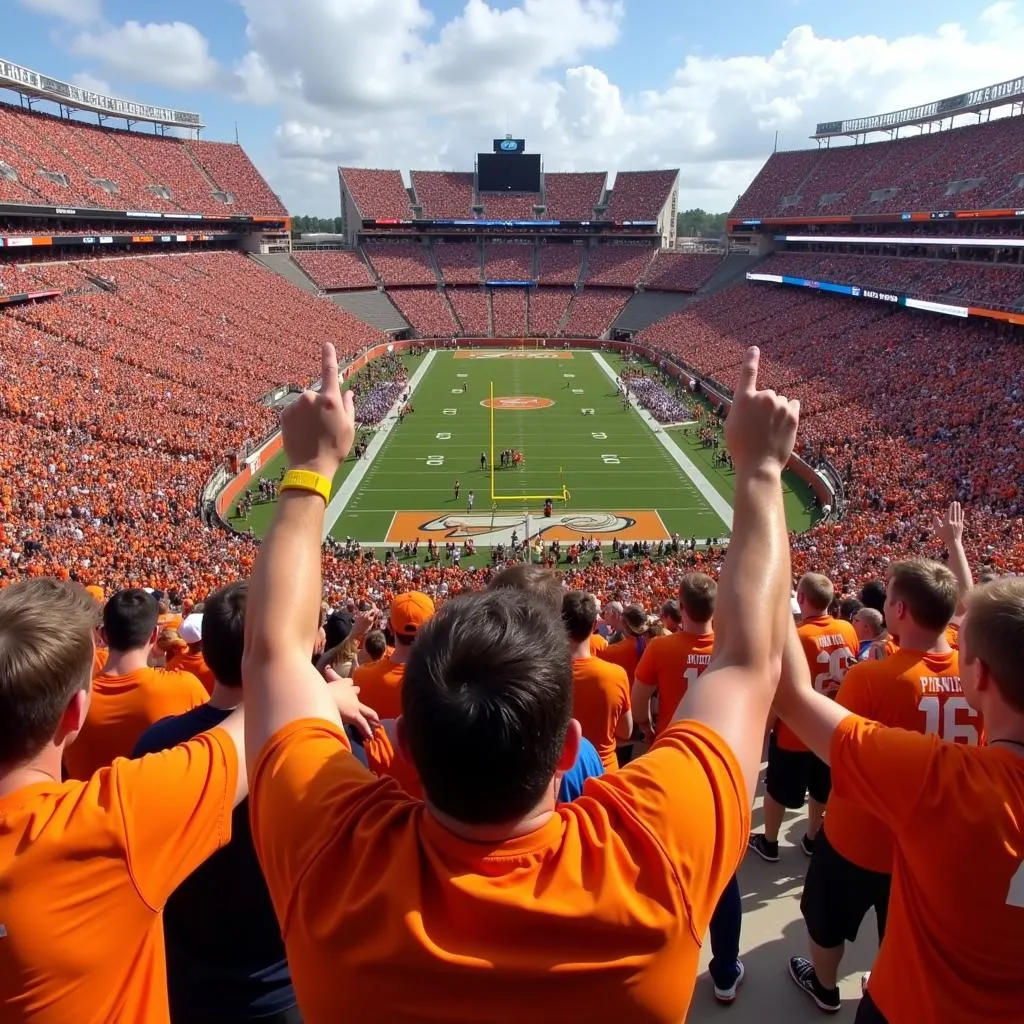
(710, 495)
(340, 500)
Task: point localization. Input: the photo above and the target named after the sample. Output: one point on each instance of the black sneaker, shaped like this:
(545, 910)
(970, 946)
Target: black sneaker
(807, 845)
(764, 849)
(801, 970)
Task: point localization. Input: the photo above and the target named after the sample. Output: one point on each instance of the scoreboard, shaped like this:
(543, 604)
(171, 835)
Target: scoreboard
(509, 168)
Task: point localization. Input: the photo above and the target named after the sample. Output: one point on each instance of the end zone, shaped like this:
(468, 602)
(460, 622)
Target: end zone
(503, 354)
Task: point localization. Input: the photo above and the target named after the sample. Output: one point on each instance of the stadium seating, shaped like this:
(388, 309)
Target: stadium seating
(473, 310)
(573, 196)
(401, 263)
(592, 312)
(547, 307)
(559, 264)
(619, 264)
(427, 310)
(509, 205)
(459, 262)
(444, 194)
(334, 269)
(509, 307)
(377, 194)
(508, 261)
(231, 170)
(640, 195)
(680, 272)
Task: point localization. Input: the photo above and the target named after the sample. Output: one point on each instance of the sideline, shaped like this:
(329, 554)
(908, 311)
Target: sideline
(344, 494)
(721, 507)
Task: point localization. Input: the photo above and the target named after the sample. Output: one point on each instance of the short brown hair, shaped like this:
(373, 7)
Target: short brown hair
(46, 651)
(697, 592)
(928, 589)
(533, 579)
(994, 633)
(817, 590)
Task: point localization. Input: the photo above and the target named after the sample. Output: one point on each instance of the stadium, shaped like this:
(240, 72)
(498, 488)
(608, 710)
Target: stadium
(542, 370)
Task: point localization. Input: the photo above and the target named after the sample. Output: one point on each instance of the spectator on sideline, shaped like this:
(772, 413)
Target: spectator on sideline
(954, 939)
(225, 955)
(128, 696)
(87, 866)
(467, 901)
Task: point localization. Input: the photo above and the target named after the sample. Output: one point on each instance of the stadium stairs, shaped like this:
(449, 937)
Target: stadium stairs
(373, 308)
(283, 265)
(733, 269)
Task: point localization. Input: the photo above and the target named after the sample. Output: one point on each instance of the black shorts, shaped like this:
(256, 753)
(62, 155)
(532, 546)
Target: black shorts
(792, 774)
(868, 1013)
(838, 894)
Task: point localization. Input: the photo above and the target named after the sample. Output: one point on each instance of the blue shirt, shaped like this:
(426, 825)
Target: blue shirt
(588, 766)
(225, 955)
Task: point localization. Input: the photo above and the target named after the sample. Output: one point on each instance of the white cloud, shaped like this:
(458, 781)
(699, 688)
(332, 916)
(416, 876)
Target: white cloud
(80, 12)
(175, 53)
(86, 81)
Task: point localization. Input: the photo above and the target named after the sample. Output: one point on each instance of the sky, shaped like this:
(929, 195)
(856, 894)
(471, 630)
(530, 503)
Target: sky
(707, 87)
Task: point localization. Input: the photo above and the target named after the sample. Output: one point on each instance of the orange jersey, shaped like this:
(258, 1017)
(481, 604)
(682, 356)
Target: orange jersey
(954, 940)
(85, 871)
(385, 759)
(670, 664)
(830, 646)
(600, 697)
(122, 709)
(380, 686)
(625, 653)
(910, 690)
(597, 644)
(99, 659)
(599, 912)
(169, 620)
(196, 665)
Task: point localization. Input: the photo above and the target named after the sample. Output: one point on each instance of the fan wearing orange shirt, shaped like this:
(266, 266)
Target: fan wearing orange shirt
(600, 690)
(99, 658)
(86, 867)
(191, 659)
(917, 688)
(461, 906)
(380, 682)
(670, 663)
(627, 651)
(954, 939)
(794, 773)
(128, 696)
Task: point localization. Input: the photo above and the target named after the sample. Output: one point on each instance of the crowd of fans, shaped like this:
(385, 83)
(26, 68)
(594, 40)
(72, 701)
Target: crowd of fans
(377, 193)
(459, 262)
(427, 310)
(334, 269)
(559, 264)
(444, 194)
(593, 311)
(621, 265)
(640, 195)
(663, 398)
(508, 312)
(378, 387)
(680, 272)
(473, 310)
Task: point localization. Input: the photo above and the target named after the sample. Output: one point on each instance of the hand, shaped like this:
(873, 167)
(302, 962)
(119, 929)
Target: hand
(950, 530)
(364, 622)
(760, 430)
(345, 694)
(318, 429)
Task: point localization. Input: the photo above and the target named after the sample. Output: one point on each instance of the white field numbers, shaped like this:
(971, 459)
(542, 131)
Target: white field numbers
(837, 663)
(435, 460)
(951, 719)
(444, 436)
(599, 435)
(610, 460)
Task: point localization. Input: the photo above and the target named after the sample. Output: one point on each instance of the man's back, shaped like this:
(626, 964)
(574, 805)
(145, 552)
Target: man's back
(600, 698)
(671, 663)
(85, 869)
(122, 708)
(380, 686)
(597, 913)
(225, 956)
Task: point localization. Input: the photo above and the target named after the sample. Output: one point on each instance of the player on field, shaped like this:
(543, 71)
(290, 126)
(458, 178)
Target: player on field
(470, 500)
(954, 940)
(794, 773)
(917, 688)
(458, 488)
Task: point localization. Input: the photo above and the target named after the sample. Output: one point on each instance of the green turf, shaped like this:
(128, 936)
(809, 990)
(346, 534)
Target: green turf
(418, 465)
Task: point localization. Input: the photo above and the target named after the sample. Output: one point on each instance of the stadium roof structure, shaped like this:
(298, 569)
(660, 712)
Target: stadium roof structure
(31, 85)
(934, 113)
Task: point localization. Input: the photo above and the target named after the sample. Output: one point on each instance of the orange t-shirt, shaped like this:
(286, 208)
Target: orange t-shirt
(122, 709)
(954, 940)
(196, 665)
(625, 653)
(85, 871)
(911, 690)
(99, 659)
(597, 644)
(830, 646)
(670, 664)
(380, 686)
(598, 913)
(385, 759)
(600, 697)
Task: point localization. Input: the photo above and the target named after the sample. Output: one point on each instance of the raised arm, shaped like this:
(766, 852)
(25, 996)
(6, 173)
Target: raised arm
(282, 615)
(950, 530)
(752, 614)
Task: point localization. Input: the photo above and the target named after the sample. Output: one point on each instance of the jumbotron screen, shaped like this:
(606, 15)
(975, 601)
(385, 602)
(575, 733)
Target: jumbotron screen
(499, 172)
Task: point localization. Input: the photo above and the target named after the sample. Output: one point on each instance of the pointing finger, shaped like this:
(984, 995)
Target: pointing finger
(329, 368)
(748, 373)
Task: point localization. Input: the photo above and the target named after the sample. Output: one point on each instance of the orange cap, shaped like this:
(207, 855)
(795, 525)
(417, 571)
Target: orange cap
(97, 592)
(409, 611)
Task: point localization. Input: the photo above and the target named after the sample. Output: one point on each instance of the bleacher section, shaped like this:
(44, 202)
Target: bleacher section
(967, 168)
(473, 310)
(559, 264)
(508, 261)
(377, 194)
(398, 263)
(459, 262)
(680, 272)
(573, 196)
(335, 269)
(509, 310)
(619, 265)
(444, 194)
(640, 195)
(547, 307)
(509, 205)
(593, 312)
(427, 310)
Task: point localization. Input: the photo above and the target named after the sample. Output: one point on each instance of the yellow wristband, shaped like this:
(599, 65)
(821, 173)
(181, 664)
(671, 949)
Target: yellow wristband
(304, 480)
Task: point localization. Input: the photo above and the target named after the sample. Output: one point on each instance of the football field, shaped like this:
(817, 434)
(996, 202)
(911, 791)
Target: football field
(609, 472)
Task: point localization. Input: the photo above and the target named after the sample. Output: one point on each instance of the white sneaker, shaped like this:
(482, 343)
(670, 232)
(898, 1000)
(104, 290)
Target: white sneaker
(727, 995)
